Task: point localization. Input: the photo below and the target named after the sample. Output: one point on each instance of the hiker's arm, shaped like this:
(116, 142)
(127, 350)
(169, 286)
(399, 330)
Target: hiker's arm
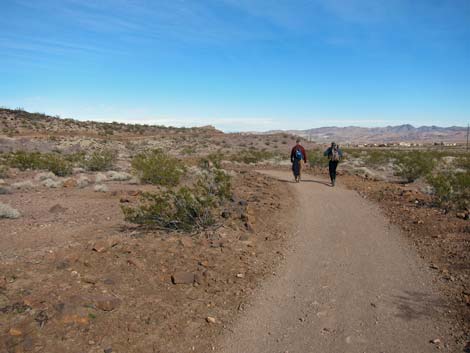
(305, 155)
(292, 156)
(327, 152)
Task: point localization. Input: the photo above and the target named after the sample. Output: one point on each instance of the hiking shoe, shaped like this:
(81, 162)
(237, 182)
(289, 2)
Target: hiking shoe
(333, 182)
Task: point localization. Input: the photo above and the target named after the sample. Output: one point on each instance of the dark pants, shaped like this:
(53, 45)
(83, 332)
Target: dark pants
(332, 168)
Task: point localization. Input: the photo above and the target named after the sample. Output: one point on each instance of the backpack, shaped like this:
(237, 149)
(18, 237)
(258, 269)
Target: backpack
(334, 155)
(298, 154)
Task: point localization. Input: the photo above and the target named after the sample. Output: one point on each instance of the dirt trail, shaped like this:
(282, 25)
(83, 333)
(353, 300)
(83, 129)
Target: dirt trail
(350, 283)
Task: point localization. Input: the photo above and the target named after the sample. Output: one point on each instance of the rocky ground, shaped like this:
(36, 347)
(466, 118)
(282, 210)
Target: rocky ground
(76, 278)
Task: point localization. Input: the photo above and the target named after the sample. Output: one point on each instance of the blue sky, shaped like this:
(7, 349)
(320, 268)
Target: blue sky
(239, 64)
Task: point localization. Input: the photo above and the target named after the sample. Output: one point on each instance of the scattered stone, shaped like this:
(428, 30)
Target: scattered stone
(240, 275)
(124, 200)
(101, 188)
(57, 209)
(118, 176)
(249, 227)
(244, 237)
(107, 303)
(90, 279)
(4, 190)
(41, 318)
(23, 185)
(51, 183)
(137, 263)
(104, 244)
(225, 214)
(100, 178)
(211, 320)
(70, 183)
(242, 202)
(183, 278)
(462, 215)
(15, 332)
(436, 341)
(6, 211)
(3, 282)
(62, 264)
(83, 181)
(109, 281)
(108, 350)
(45, 176)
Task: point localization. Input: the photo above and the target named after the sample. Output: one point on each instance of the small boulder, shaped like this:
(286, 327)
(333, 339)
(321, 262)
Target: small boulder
(70, 183)
(107, 303)
(183, 278)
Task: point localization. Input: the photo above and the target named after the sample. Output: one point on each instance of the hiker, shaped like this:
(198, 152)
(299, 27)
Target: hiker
(334, 154)
(296, 156)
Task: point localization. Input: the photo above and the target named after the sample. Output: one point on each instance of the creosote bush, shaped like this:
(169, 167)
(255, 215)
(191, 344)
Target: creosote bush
(316, 158)
(186, 208)
(157, 167)
(451, 189)
(100, 161)
(415, 164)
(53, 162)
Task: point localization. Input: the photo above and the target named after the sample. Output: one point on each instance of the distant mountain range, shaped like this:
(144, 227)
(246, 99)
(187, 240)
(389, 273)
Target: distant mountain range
(388, 134)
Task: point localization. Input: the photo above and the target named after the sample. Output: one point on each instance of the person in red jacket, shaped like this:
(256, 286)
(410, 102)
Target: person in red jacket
(297, 155)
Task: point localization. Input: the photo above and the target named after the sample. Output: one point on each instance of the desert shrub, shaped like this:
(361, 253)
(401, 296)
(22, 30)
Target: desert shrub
(415, 164)
(25, 160)
(251, 156)
(213, 158)
(6, 211)
(187, 208)
(100, 161)
(451, 189)
(316, 158)
(378, 157)
(53, 162)
(56, 164)
(157, 167)
(3, 171)
(463, 162)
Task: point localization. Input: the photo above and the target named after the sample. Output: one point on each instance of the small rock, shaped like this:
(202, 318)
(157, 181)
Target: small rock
(183, 278)
(240, 275)
(186, 242)
(70, 183)
(244, 237)
(124, 200)
(57, 209)
(225, 214)
(108, 350)
(16, 332)
(89, 279)
(242, 202)
(436, 341)
(211, 320)
(107, 303)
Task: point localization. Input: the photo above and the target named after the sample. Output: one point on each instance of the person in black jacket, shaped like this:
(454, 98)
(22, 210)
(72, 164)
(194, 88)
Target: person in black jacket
(334, 154)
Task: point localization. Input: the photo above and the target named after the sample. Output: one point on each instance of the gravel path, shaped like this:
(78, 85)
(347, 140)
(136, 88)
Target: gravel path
(350, 283)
